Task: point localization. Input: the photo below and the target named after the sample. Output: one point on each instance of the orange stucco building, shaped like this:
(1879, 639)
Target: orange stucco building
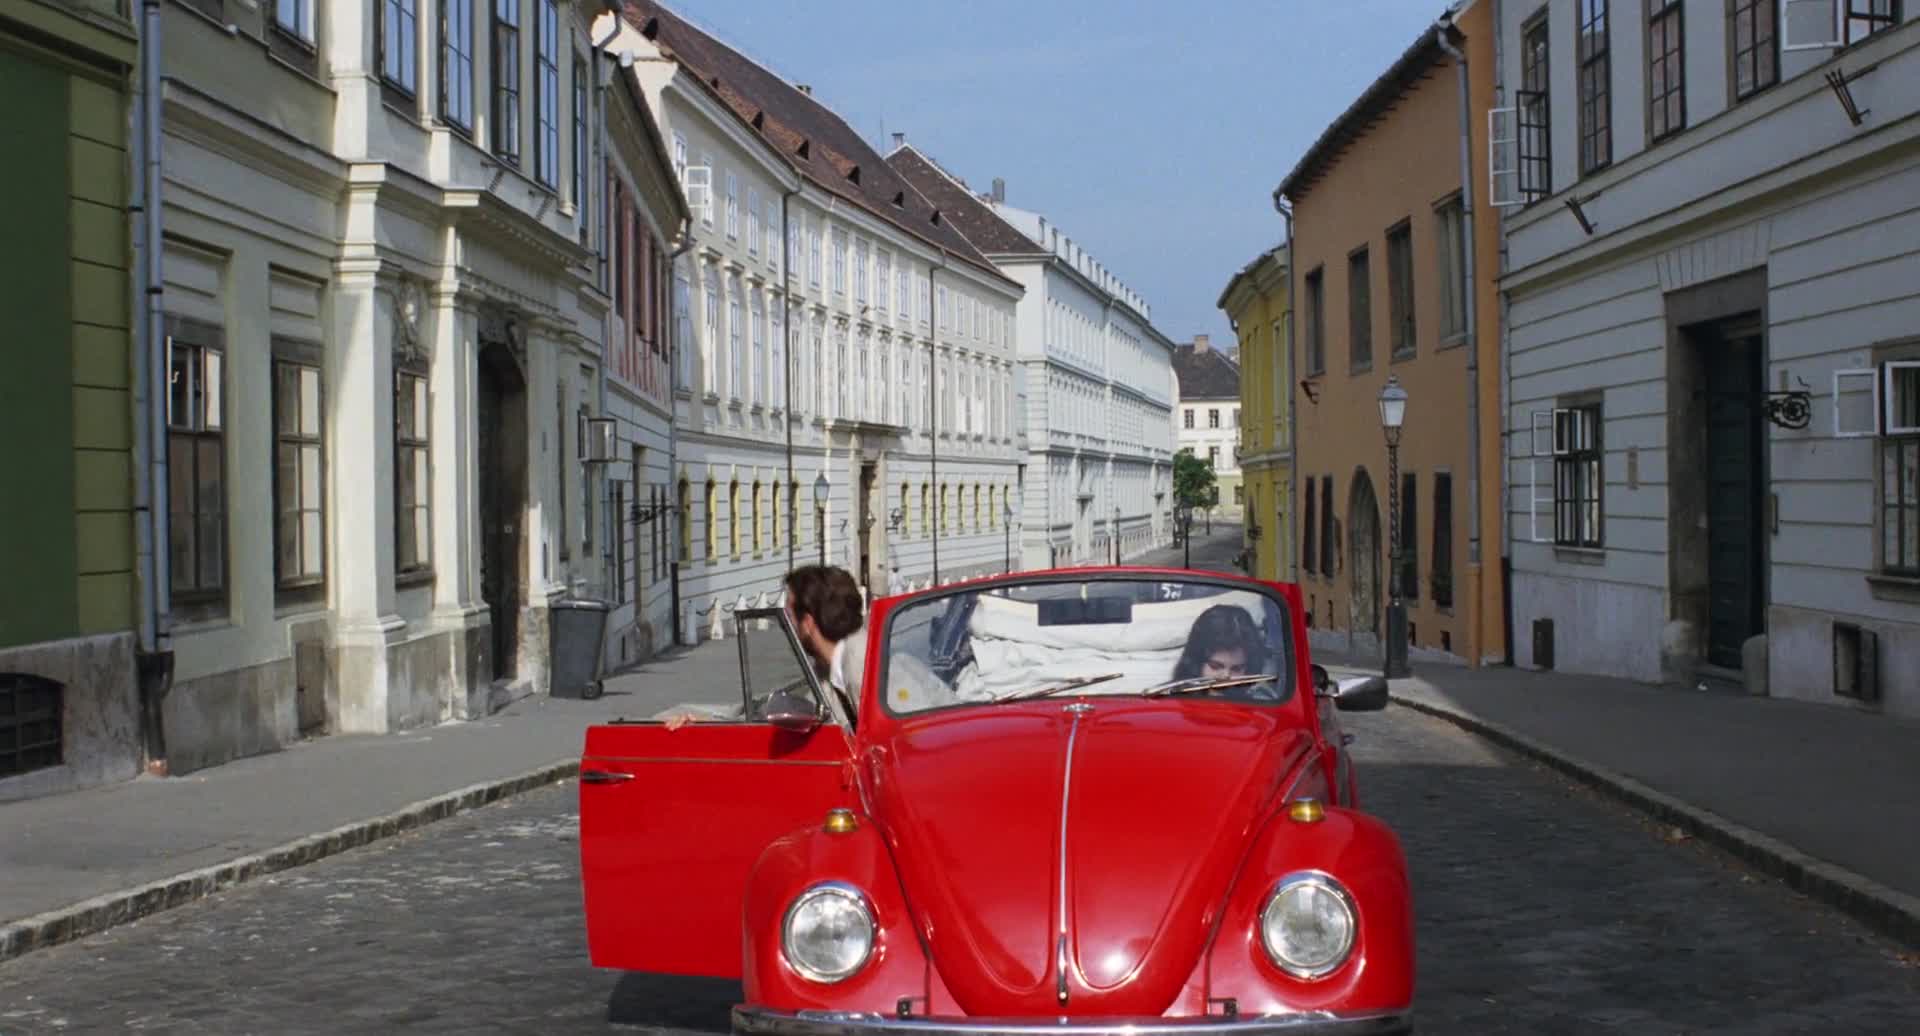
(1396, 264)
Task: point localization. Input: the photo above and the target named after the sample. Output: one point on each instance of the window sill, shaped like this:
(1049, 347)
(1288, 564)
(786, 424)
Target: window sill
(1360, 368)
(1452, 341)
(1400, 357)
(412, 580)
(1899, 589)
(1580, 555)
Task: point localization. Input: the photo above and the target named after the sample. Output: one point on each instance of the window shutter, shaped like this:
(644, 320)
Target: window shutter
(1809, 24)
(1850, 420)
(1890, 398)
(1503, 158)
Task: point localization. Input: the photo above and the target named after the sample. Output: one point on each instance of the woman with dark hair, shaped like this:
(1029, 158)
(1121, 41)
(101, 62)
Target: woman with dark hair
(1224, 643)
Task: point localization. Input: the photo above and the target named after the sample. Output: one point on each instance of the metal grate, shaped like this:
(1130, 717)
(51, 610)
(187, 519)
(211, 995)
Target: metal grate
(30, 709)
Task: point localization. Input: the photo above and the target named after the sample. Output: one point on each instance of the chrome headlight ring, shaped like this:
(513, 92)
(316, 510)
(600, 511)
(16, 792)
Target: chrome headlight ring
(1309, 925)
(832, 956)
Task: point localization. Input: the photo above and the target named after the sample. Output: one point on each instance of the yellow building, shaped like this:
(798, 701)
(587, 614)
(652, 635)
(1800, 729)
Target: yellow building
(1255, 300)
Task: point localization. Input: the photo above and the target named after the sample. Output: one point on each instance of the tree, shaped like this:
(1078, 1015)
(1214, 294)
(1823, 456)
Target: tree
(1193, 480)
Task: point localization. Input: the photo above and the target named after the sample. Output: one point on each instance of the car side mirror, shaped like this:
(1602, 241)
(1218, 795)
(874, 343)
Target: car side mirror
(1322, 683)
(790, 713)
(1367, 694)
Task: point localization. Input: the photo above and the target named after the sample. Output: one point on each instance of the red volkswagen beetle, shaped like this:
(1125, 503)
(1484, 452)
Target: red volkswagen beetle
(1074, 801)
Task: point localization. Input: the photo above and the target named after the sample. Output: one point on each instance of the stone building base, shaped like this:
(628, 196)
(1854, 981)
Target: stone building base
(100, 712)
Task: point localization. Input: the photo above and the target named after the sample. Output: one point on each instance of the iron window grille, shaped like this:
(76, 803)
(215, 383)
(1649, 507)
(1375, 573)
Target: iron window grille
(30, 723)
(1577, 477)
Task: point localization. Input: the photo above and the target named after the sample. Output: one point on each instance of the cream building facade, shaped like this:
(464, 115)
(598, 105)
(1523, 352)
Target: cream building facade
(386, 300)
(830, 326)
(1207, 412)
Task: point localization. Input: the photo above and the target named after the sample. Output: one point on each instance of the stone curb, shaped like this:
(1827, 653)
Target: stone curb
(1887, 911)
(91, 916)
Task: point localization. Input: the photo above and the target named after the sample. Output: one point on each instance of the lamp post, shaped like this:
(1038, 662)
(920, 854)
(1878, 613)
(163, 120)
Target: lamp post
(1116, 535)
(1006, 533)
(1393, 413)
(820, 490)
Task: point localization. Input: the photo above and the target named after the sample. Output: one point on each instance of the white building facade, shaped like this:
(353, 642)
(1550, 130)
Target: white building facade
(385, 310)
(830, 328)
(1208, 416)
(1713, 323)
(1095, 384)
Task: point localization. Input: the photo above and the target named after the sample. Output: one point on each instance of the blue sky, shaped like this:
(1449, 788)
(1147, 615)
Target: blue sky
(1153, 132)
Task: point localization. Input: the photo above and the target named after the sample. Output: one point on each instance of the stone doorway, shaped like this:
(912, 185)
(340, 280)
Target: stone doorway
(501, 456)
(1363, 565)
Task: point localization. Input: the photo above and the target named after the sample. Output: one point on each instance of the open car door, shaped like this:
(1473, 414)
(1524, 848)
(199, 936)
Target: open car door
(672, 821)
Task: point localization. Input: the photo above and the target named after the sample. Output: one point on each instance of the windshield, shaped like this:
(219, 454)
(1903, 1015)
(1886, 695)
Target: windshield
(1106, 636)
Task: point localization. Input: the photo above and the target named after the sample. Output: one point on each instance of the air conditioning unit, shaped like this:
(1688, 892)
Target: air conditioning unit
(599, 440)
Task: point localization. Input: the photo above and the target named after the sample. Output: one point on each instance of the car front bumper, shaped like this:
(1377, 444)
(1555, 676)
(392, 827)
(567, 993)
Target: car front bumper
(751, 1021)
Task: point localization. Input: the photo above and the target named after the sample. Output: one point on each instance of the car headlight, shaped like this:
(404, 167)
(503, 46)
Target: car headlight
(828, 932)
(1308, 925)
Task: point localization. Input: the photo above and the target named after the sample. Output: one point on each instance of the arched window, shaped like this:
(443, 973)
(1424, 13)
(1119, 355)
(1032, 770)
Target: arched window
(713, 519)
(773, 512)
(754, 515)
(733, 518)
(926, 509)
(686, 521)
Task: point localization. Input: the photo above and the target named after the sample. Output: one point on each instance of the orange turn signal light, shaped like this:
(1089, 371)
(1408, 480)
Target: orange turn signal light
(840, 821)
(1307, 811)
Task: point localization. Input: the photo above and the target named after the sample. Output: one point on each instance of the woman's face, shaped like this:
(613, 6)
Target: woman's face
(1225, 662)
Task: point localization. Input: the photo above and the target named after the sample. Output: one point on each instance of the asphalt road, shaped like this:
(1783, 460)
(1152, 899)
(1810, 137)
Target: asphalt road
(1542, 909)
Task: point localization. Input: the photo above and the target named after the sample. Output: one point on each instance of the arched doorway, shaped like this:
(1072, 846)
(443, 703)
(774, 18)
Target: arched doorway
(501, 457)
(1363, 563)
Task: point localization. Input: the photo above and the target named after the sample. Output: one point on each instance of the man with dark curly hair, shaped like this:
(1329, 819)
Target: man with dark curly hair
(827, 611)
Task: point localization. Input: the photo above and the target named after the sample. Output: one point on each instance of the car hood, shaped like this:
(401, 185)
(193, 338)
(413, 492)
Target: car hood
(1155, 802)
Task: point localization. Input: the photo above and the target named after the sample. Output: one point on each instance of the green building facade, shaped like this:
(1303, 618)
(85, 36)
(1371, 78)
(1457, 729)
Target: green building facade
(68, 713)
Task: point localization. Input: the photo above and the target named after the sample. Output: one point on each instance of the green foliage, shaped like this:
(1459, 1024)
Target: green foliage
(1193, 481)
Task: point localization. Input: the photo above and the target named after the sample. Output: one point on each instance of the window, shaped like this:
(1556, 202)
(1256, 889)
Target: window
(860, 272)
(882, 278)
(620, 278)
(1238, 499)
(398, 58)
(1577, 476)
(1666, 69)
(734, 516)
(1451, 243)
(1867, 17)
(546, 94)
(839, 261)
(1756, 47)
(756, 518)
(1535, 121)
(506, 79)
(294, 17)
(1900, 472)
(753, 221)
(299, 478)
(773, 512)
(1326, 525)
(1309, 560)
(813, 253)
(456, 63)
(713, 520)
(1400, 289)
(1213, 418)
(196, 461)
(580, 142)
(1441, 570)
(1316, 360)
(1596, 92)
(733, 206)
(759, 351)
(902, 304)
(736, 358)
(619, 501)
(1359, 312)
(685, 514)
(1213, 456)
(772, 227)
(710, 363)
(412, 474)
(1409, 536)
(776, 336)
(702, 184)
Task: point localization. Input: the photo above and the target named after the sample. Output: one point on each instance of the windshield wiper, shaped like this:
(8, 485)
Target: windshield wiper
(1056, 688)
(1202, 684)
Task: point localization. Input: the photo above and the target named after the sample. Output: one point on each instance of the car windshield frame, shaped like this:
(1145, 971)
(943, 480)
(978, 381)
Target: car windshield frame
(909, 606)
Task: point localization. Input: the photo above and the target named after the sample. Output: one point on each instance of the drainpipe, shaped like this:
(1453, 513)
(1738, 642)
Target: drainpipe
(673, 427)
(786, 328)
(1503, 385)
(154, 658)
(1440, 31)
(1293, 411)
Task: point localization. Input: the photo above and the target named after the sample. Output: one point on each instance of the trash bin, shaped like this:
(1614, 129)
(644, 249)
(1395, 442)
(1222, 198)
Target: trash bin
(576, 643)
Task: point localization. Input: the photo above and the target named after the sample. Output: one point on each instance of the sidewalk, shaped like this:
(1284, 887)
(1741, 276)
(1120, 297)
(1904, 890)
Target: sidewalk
(73, 864)
(1820, 796)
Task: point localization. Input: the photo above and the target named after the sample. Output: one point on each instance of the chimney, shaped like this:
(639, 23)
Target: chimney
(1200, 343)
(999, 189)
(899, 141)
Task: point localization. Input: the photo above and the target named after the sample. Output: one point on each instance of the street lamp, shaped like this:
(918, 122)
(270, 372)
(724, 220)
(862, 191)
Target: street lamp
(1116, 535)
(820, 490)
(1006, 533)
(1393, 413)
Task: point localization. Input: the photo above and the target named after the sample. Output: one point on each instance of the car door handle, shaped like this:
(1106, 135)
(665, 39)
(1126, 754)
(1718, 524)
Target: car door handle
(604, 777)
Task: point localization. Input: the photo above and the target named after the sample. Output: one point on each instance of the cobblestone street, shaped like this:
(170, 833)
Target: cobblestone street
(1542, 909)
